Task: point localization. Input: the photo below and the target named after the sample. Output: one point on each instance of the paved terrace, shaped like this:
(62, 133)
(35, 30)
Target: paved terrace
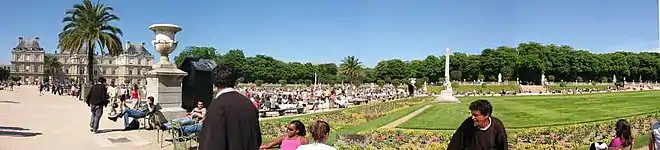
(32, 122)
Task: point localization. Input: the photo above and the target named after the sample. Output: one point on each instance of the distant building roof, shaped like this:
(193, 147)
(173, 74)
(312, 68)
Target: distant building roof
(30, 44)
(135, 49)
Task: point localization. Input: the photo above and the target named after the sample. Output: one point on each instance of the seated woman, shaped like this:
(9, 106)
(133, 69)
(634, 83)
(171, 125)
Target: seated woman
(320, 131)
(623, 138)
(197, 113)
(294, 138)
(139, 111)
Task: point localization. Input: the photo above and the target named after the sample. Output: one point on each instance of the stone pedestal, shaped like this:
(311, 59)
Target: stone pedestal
(447, 96)
(164, 84)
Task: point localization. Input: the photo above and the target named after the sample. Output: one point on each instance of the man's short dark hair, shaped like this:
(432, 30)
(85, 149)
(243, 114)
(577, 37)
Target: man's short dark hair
(101, 79)
(483, 106)
(225, 75)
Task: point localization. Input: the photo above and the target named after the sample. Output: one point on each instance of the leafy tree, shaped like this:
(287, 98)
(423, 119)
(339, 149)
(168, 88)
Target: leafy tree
(87, 26)
(551, 78)
(51, 66)
(4, 74)
(331, 83)
(604, 79)
(15, 78)
(282, 83)
(308, 83)
(396, 82)
(356, 83)
(419, 84)
(258, 82)
(481, 77)
(196, 52)
(380, 83)
(351, 67)
(456, 75)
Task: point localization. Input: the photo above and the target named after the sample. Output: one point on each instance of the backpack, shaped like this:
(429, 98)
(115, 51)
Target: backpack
(135, 124)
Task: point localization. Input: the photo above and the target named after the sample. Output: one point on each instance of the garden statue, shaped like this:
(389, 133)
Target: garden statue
(447, 95)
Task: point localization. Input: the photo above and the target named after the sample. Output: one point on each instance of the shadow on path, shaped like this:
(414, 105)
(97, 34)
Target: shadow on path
(12, 128)
(6, 131)
(11, 102)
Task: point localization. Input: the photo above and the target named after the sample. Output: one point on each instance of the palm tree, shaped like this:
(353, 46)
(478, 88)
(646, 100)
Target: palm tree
(51, 66)
(88, 26)
(351, 67)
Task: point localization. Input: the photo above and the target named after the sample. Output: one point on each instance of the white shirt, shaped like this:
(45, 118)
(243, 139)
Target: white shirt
(315, 146)
(112, 91)
(655, 130)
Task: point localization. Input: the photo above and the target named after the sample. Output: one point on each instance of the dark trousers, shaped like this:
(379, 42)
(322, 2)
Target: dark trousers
(97, 111)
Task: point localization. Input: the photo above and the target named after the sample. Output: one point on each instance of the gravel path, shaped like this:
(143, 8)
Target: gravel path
(403, 119)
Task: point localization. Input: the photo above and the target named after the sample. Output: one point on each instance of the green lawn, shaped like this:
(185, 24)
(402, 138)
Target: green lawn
(532, 111)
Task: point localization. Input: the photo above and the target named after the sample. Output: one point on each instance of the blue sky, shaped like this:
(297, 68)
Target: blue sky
(322, 31)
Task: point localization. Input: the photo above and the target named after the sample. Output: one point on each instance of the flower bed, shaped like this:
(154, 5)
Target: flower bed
(559, 137)
(270, 129)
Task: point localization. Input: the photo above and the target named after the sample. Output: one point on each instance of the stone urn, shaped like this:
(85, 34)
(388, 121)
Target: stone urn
(165, 42)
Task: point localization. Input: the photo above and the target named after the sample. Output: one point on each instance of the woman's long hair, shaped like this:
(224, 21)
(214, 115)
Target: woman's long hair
(623, 132)
(300, 126)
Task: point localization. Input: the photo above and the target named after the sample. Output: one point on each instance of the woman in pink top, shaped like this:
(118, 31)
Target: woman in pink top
(294, 138)
(623, 139)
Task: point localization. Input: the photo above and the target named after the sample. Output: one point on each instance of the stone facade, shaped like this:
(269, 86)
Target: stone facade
(27, 61)
(130, 67)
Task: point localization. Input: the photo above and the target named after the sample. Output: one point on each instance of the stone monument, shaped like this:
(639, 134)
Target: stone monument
(447, 95)
(499, 78)
(614, 79)
(164, 80)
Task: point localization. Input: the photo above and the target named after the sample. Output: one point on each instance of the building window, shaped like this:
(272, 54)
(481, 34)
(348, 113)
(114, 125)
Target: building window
(109, 61)
(27, 68)
(27, 58)
(130, 72)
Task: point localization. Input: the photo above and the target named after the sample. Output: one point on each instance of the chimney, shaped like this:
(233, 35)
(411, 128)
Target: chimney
(128, 44)
(20, 39)
(36, 39)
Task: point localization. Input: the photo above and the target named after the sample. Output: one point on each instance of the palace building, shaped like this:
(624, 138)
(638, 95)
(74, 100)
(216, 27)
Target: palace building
(130, 67)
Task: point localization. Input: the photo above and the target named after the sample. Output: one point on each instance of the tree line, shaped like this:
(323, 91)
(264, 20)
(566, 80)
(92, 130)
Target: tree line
(526, 62)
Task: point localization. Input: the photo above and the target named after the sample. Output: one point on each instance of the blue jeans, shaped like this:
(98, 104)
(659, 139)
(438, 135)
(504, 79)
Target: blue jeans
(132, 113)
(194, 128)
(184, 121)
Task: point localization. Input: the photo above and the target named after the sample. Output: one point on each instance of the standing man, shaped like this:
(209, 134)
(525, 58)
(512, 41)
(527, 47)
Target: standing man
(97, 98)
(112, 92)
(480, 131)
(231, 122)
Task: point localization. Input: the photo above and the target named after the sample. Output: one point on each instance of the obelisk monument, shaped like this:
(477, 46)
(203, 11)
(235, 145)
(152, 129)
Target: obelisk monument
(447, 95)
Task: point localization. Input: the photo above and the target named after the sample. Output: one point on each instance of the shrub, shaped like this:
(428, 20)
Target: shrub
(282, 83)
(308, 83)
(258, 82)
(380, 83)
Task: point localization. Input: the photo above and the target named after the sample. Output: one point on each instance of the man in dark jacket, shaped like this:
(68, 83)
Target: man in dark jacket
(480, 131)
(97, 98)
(231, 121)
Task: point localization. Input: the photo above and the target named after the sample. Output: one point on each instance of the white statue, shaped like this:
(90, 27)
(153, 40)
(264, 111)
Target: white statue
(542, 79)
(499, 78)
(614, 79)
